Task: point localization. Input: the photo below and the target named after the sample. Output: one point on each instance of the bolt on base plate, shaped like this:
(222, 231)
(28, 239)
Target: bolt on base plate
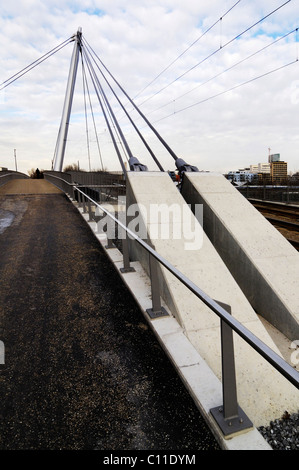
(158, 314)
(234, 425)
(127, 270)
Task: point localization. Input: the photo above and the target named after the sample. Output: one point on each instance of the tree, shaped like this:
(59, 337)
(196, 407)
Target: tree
(72, 167)
(35, 174)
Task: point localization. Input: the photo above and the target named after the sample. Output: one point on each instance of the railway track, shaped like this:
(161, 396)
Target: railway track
(284, 210)
(284, 217)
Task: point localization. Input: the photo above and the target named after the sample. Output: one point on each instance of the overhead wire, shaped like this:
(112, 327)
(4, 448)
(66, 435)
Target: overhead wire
(188, 48)
(230, 89)
(215, 52)
(225, 71)
(88, 53)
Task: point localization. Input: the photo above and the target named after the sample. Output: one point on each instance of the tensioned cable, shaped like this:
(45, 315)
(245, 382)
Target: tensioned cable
(92, 114)
(34, 64)
(164, 143)
(230, 89)
(85, 110)
(131, 120)
(186, 50)
(215, 52)
(224, 71)
(107, 112)
(114, 118)
(94, 79)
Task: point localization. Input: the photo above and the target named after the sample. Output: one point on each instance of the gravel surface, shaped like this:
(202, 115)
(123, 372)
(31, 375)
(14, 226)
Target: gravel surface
(283, 434)
(82, 370)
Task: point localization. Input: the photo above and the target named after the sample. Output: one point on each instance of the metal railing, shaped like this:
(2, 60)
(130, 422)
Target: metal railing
(7, 176)
(229, 416)
(106, 189)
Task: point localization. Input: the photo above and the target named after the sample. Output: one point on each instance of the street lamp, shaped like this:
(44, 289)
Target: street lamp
(15, 152)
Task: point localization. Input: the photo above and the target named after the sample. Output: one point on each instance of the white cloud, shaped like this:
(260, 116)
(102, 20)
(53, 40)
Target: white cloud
(136, 42)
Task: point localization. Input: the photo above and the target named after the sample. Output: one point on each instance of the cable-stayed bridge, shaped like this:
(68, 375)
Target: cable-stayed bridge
(201, 264)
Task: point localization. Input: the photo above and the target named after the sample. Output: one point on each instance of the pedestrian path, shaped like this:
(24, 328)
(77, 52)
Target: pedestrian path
(82, 368)
(28, 186)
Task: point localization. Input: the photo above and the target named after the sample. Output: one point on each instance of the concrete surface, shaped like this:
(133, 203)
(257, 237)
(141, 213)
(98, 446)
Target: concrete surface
(263, 262)
(255, 377)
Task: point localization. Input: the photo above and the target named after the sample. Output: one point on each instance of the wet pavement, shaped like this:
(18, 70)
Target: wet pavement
(82, 371)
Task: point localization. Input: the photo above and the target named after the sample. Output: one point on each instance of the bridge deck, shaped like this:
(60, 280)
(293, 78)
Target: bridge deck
(82, 369)
(28, 186)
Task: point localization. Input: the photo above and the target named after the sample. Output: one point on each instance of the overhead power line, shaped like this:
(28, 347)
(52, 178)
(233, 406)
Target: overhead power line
(215, 52)
(186, 50)
(229, 90)
(226, 70)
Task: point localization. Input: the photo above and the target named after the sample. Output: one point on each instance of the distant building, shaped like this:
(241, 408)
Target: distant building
(279, 171)
(275, 157)
(241, 176)
(2, 168)
(275, 171)
(260, 168)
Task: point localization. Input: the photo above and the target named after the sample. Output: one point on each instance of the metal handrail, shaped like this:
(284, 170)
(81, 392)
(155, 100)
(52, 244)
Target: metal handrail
(265, 351)
(10, 175)
(13, 173)
(6, 174)
(279, 363)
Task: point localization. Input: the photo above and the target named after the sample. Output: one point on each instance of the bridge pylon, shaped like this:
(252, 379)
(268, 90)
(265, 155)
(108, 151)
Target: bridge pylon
(68, 101)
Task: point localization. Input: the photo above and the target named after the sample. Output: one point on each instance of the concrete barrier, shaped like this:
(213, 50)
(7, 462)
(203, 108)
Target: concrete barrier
(262, 392)
(262, 261)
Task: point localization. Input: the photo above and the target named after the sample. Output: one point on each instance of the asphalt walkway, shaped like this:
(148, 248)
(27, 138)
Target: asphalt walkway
(82, 369)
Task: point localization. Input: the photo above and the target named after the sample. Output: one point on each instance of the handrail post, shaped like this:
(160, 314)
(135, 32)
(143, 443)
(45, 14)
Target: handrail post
(157, 310)
(230, 417)
(229, 387)
(126, 257)
(89, 210)
(110, 229)
(84, 202)
(80, 199)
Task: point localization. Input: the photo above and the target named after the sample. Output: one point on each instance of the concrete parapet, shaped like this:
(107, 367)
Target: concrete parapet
(263, 262)
(262, 392)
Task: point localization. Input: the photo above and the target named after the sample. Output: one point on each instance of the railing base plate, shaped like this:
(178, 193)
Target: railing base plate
(127, 270)
(158, 314)
(235, 425)
(110, 246)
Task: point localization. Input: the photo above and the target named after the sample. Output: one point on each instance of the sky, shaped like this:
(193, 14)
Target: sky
(222, 92)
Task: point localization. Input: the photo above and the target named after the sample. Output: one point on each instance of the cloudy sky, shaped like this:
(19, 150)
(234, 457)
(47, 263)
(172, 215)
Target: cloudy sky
(218, 89)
